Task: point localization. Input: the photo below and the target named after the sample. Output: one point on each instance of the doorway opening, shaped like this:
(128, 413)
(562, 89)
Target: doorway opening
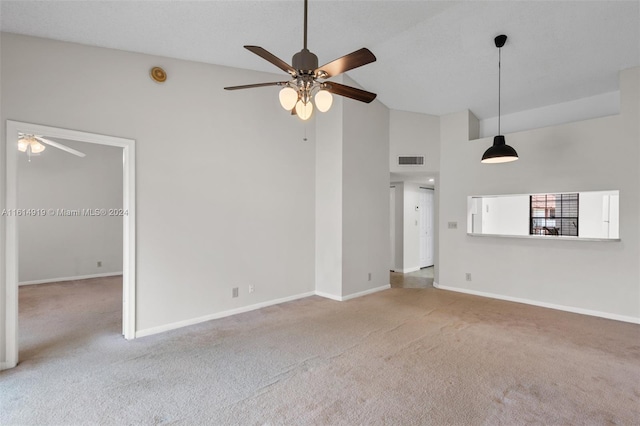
(11, 258)
(412, 232)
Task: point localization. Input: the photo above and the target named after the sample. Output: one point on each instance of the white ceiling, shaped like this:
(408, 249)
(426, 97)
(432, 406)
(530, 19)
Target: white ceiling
(433, 57)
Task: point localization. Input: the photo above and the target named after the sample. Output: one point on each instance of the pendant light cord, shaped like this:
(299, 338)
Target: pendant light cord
(499, 84)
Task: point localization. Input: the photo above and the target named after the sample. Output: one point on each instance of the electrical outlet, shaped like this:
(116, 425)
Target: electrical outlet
(99, 263)
(468, 276)
(369, 276)
(251, 289)
(234, 292)
(453, 225)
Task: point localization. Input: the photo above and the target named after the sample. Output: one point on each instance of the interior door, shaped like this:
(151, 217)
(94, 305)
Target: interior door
(425, 220)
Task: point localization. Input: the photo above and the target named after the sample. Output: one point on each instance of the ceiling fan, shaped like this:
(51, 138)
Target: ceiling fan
(34, 145)
(297, 93)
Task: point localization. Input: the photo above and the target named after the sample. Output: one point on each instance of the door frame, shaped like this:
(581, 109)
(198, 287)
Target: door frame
(392, 226)
(11, 226)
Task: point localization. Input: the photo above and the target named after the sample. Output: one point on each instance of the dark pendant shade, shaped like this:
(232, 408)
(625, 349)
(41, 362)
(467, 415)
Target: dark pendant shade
(500, 152)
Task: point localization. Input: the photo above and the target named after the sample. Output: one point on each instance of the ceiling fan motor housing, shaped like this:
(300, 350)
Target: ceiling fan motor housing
(305, 61)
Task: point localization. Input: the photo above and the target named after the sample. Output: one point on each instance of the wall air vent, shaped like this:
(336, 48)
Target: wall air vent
(411, 161)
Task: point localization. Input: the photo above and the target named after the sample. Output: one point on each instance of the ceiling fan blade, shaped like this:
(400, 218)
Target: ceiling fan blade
(348, 62)
(348, 91)
(251, 86)
(272, 58)
(60, 146)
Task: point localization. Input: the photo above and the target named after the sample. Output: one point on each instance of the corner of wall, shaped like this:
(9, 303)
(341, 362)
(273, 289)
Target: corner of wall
(629, 81)
(474, 126)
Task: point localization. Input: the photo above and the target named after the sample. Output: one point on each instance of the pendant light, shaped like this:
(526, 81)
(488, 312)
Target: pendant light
(500, 152)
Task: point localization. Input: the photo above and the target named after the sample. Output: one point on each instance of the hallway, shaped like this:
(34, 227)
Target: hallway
(418, 279)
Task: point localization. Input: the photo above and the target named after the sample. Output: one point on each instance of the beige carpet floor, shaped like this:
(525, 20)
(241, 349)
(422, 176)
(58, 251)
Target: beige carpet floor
(398, 357)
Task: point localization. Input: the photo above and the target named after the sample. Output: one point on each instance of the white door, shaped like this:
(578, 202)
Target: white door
(392, 226)
(426, 227)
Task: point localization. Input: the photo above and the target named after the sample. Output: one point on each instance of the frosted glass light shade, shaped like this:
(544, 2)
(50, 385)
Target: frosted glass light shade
(36, 147)
(288, 98)
(323, 100)
(304, 110)
(23, 143)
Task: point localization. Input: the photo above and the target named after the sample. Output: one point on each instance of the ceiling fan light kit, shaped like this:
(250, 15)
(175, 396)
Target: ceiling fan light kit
(30, 145)
(288, 98)
(34, 145)
(324, 100)
(500, 152)
(304, 89)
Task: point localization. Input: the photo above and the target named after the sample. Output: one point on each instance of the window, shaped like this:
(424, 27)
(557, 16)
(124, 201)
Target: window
(553, 214)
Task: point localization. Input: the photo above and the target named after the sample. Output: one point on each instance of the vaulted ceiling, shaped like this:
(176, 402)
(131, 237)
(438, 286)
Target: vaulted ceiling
(434, 57)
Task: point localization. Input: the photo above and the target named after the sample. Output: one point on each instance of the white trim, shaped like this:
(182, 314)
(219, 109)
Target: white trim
(218, 315)
(329, 296)
(75, 278)
(547, 237)
(354, 295)
(6, 366)
(409, 270)
(11, 248)
(624, 318)
(11, 252)
(364, 293)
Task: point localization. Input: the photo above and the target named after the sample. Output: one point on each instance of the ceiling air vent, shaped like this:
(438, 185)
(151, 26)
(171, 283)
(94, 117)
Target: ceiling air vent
(411, 161)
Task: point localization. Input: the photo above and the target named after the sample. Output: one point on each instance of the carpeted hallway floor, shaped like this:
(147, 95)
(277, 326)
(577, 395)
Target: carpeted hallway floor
(401, 356)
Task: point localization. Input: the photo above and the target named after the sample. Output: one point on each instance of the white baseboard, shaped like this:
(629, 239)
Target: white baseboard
(78, 277)
(406, 271)
(328, 296)
(218, 315)
(572, 309)
(354, 295)
(364, 293)
(6, 365)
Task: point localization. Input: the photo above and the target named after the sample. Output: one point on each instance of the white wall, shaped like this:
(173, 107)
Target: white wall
(552, 115)
(225, 184)
(413, 134)
(600, 277)
(591, 211)
(365, 196)
(328, 174)
(411, 235)
(399, 226)
(410, 134)
(505, 215)
(474, 215)
(54, 247)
